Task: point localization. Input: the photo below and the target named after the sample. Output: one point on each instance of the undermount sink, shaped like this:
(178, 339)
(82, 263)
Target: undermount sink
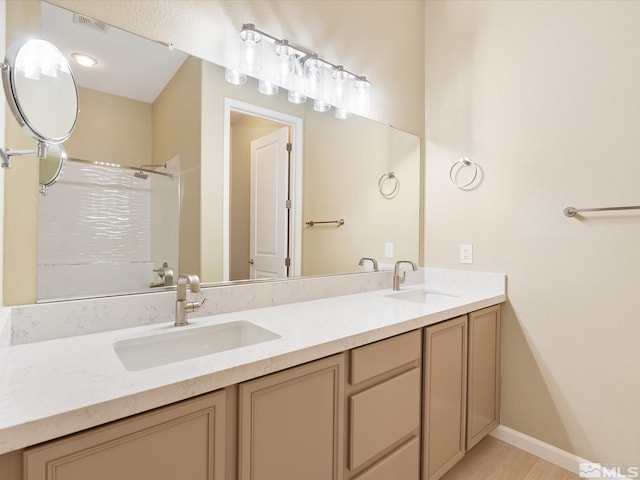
(183, 344)
(422, 296)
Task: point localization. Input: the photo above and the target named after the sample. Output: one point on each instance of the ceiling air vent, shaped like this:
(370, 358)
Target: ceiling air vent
(90, 22)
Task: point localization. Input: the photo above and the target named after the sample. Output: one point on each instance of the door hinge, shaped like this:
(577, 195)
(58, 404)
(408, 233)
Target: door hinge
(287, 204)
(289, 147)
(287, 262)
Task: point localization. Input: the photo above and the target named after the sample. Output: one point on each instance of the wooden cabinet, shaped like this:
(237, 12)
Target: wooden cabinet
(384, 403)
(372, 413)
(185, 440)
(291, 423)
(462, 387)
(483, 404)
(445, 394)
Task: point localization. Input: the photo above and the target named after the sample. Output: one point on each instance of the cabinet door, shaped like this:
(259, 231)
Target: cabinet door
(483, 414)
(182, 441)
(445, 380)
(291, 423)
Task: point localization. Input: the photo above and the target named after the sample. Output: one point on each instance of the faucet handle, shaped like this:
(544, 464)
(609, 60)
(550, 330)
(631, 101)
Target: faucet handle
(191, 307)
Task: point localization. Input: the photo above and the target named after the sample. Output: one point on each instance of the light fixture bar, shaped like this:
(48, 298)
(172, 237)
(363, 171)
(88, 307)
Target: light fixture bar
(304, 54)
(302, 73)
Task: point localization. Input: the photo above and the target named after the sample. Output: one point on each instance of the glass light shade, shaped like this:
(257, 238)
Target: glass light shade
(251, 57)
(340, 84)
(249, 35)
(252, 48)
(235, 77)
(267, 88)
(321, 106)
(283, 49)
(342, 113)
(296, 97)
(313, 75)
(361, 95)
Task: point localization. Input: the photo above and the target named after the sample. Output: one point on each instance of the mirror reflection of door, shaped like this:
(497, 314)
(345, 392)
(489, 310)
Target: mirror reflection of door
(259, 172)
(269, 215)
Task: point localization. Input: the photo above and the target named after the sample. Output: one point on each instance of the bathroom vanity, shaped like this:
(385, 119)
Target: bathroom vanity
(371, 385)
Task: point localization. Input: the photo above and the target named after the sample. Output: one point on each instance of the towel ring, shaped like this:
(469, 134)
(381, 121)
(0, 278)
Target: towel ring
(389, 177)
(459, 165)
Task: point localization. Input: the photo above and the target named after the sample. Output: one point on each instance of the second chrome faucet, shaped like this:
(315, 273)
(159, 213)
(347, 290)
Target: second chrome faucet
(397, 279)
(182, 306)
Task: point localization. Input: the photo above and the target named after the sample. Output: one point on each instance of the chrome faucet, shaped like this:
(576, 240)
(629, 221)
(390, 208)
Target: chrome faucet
(165, 275)
(397, 279)
(182, 306)
(372, 260)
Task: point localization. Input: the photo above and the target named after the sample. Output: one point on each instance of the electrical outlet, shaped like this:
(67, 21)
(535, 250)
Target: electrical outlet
(466, 253)
(388, 250)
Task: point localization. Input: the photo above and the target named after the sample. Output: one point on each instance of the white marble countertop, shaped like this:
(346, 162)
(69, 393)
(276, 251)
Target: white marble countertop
(56, 387)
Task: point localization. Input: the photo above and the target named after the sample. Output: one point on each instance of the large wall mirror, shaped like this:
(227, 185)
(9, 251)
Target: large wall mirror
(160, 171)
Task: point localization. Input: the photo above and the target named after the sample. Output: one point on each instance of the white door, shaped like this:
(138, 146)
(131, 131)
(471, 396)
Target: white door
(268, 211)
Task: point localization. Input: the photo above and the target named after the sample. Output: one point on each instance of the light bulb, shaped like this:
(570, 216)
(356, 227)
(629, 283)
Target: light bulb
(252, 46)
(84, 60)
(313, 74)
(361, 95)
(340, 87)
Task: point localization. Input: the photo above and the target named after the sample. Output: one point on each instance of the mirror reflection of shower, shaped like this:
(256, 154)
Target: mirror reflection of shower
(108, 228)
(143, 171)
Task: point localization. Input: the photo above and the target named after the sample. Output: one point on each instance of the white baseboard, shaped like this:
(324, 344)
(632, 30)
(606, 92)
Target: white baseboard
(547, 452)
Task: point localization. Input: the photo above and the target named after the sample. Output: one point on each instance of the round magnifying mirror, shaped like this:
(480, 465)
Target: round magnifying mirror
(52, 166)
(41, 90)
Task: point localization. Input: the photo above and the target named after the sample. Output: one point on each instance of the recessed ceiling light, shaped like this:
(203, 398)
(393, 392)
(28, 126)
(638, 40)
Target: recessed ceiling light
(84, 60)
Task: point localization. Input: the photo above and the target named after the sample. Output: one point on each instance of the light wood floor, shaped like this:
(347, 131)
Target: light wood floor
(493, 459)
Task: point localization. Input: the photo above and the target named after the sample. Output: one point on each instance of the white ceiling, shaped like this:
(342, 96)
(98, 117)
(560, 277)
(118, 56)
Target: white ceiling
(129, 66)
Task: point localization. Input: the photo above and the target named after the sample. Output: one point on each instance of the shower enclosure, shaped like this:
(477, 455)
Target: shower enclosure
(105, 228)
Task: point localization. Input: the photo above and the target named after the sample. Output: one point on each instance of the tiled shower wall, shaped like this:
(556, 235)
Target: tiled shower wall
(97, 231)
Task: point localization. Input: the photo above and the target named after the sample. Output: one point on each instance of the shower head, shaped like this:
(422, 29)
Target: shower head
(141, 174)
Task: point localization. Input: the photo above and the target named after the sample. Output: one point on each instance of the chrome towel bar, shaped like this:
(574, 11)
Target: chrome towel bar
(571, 211)
(311, 223)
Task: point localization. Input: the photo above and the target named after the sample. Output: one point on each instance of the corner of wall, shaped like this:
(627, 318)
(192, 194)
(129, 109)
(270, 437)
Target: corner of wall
(3, 36)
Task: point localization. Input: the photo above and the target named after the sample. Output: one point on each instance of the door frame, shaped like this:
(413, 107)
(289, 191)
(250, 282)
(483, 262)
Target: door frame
(295, 180)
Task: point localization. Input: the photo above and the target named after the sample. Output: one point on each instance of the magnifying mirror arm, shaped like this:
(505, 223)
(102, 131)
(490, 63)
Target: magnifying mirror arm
(40, 152)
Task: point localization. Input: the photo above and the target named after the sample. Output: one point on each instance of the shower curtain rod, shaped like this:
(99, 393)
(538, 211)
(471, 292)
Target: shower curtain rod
(124, 167)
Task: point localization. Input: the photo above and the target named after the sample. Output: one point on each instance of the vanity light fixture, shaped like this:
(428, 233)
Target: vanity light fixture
(84, 59)
(304, 74)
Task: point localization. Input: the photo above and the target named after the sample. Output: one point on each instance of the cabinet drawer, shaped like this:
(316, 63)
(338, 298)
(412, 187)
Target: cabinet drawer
(383, 415)
(402, 464)
(380, 357)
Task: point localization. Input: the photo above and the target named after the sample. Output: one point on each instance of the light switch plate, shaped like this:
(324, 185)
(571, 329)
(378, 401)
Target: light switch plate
(388, 250)
(466, 254)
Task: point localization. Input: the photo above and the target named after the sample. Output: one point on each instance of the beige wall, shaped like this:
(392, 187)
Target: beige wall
(111, 129)
(173, 136)
(341, 182)
(3, 12)
(544, 96)
(20, 239)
